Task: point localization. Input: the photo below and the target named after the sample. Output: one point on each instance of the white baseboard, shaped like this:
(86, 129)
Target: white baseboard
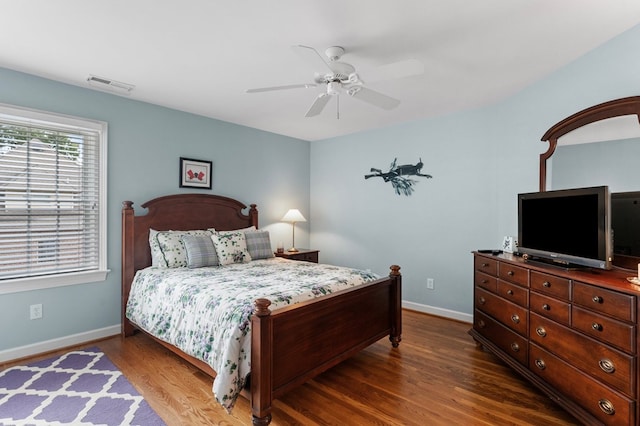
(61, 342)
(441, 312)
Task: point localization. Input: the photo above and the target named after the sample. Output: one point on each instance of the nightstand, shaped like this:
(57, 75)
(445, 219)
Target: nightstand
(306, 255)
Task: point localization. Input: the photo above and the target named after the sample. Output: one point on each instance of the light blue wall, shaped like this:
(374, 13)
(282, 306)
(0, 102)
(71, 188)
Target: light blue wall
(480, 160)
(145, 143)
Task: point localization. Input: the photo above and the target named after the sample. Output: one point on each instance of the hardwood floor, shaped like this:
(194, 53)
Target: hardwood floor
(436, 377)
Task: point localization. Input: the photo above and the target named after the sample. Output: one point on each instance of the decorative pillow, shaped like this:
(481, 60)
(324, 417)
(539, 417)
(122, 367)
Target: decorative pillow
(258, 244)
(200, 251)
(231, 247)
(173, 251)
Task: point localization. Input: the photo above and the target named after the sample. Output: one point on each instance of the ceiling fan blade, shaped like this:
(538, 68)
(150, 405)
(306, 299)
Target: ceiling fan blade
(374, 98)
(394, 70)
(318, 105)
(290, 86)
(313, 58)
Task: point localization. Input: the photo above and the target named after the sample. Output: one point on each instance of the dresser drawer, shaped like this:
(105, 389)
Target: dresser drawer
(618, 305)
(552, 285)
(513, 274)
(617, 333)
(514, 293)
(510, 342)
(549, 307)
(485, 281)
(607, 405)
(488, 266)
(511, 315)
(595, 358)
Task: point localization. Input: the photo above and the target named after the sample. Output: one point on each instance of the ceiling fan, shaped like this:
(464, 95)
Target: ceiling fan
(338, 77)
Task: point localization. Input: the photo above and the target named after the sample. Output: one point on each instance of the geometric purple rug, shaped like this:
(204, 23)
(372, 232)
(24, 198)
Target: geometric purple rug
(78, 388)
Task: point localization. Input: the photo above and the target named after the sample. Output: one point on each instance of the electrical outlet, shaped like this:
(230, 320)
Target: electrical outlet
(430, 284)
(35, 311)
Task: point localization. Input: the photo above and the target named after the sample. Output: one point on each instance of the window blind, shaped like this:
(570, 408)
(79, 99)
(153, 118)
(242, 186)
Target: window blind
(50, 187)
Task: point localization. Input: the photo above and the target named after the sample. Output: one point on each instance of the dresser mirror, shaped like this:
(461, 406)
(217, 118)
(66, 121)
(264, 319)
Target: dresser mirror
(597, 146)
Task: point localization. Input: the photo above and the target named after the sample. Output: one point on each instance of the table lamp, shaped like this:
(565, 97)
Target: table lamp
(293, 216)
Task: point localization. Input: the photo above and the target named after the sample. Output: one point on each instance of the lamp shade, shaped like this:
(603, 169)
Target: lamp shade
(293, 215)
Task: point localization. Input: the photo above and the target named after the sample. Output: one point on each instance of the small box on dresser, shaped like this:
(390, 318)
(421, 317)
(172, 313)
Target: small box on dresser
(573, 334)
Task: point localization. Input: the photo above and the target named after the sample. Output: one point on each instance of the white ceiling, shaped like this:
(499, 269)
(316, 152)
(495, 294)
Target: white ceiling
(201, 55)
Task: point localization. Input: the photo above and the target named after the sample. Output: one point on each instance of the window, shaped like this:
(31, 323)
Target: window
(52, 200)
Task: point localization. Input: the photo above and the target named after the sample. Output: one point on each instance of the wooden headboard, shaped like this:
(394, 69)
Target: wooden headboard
(181, 212)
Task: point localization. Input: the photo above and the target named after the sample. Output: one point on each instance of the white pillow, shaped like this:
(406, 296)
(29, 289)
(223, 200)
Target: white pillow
(231, 247)
(156, 253)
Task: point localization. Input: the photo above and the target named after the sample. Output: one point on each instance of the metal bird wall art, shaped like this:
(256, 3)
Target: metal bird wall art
(397, 175)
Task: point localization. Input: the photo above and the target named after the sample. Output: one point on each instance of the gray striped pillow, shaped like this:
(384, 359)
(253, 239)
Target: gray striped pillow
(258, 244)
(200, 251)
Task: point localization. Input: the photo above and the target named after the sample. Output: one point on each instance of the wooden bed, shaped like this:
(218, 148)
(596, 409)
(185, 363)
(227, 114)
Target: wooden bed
(291, 345)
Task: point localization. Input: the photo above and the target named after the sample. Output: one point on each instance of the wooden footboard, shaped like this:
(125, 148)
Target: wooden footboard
(290, 345)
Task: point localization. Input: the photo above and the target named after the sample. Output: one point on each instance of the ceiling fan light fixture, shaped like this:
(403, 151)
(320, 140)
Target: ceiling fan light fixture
(333, 87)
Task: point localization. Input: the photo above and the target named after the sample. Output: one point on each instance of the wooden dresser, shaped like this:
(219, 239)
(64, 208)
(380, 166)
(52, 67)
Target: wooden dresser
(573, 334)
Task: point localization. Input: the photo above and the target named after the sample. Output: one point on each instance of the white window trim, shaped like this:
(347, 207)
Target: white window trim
(59, 280)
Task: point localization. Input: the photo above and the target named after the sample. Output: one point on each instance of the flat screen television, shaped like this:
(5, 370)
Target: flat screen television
(569, 228)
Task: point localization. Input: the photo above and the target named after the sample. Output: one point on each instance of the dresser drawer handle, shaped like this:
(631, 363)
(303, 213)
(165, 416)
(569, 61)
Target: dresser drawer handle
(515, 318)
(607, 407)
(485, 265)
(596, 326)
(546, 307)
(510, 273)
(607, 365)
(540, 331)
(510, 292)
(485, 281)
(597, 299)
(482, 300)
(540, 364)
(515, 347)
(546, 284)
(481, 324)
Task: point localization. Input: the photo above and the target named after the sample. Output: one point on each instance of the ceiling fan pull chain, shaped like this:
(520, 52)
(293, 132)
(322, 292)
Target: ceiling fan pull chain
(337, 107)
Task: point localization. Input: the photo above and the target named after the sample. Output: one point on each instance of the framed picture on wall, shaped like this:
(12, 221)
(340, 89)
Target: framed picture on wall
(195, 173)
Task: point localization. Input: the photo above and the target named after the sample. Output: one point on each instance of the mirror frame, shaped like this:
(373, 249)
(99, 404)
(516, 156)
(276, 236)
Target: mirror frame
(603, 111)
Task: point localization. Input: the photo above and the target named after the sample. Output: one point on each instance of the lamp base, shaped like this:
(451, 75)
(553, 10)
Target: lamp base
(293, 250)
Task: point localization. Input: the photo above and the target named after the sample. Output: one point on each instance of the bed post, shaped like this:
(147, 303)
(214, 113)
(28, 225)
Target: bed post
(127, 263)
(253, 214)
(261, 363)
(396, 305)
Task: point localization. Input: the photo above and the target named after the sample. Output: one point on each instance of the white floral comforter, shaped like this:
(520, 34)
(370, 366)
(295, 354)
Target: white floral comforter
(206, 311)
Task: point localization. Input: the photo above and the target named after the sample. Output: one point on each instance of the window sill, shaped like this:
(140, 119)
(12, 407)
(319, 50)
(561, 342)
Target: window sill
(60, 280)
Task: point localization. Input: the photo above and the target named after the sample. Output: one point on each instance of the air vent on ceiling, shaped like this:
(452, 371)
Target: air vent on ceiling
(110, 85)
